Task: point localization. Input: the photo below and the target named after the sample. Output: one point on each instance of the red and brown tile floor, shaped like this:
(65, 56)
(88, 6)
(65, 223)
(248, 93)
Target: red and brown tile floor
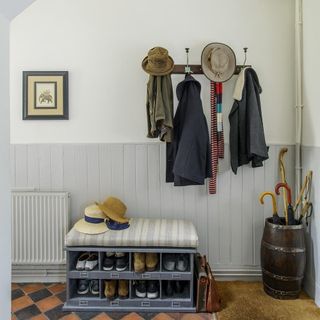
(38, 301)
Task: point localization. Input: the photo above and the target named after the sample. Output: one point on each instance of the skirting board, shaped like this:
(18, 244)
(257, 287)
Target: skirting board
(36, 273)
(22, 274)
(250, 274)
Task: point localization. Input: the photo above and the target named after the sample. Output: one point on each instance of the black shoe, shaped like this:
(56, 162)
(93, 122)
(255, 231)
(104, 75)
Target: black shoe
(141, 289)
(182, 262)
(169, 261)
(83, 286)
(122, 262)
(94, 287)
(152, 289)
(178, 287)
(109, 261)
(168, 288)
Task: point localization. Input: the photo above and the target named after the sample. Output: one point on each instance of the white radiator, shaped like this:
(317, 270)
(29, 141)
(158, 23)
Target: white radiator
(40, 221)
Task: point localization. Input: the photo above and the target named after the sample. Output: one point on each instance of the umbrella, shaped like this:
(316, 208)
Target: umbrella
(291, 220)
(282, 170)
(275, 217)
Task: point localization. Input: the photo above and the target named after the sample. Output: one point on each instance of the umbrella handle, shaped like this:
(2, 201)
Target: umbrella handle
(273, 197)
(284, 185)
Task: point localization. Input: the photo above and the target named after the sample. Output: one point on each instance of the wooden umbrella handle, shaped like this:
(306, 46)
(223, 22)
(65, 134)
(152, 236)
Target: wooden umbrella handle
(273, 197)
(284, 185)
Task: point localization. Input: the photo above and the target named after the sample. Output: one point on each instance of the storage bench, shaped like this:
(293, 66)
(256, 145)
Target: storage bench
(144, 235)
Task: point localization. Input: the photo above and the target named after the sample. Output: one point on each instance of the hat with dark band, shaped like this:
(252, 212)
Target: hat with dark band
(94, 221)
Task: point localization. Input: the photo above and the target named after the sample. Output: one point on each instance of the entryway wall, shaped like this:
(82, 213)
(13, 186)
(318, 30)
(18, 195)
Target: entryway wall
(103, 148)
(311, 138)
(229, 224)
(5, 234)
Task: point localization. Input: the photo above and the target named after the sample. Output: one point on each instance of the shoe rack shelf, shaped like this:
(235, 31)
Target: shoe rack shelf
(180, 302)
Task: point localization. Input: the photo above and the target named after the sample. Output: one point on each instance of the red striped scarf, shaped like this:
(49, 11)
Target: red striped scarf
(217, 140)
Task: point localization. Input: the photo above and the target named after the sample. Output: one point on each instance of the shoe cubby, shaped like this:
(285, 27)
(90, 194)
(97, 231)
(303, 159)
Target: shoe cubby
(74, 257)
(175, 290)
(164, 272)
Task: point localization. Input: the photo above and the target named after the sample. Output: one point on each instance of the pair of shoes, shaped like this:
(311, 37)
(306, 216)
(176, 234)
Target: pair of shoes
(149, 289)
(110, 288)
(173, 287)
(119, 260)
(142, 260)
(178, 262)
(87, 261)
(85, 285)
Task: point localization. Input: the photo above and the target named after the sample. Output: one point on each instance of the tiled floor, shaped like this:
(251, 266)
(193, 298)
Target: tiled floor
(38, 301)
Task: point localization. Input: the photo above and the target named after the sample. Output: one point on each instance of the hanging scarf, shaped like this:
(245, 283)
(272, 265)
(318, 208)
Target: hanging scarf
(213, 139)
(220, 120)
(216, 134)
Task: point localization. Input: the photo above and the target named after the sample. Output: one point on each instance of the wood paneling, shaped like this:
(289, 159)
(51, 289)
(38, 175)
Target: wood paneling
(229, 224)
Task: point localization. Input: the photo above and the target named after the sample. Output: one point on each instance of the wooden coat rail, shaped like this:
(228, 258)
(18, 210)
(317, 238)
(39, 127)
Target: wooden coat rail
(196, 68)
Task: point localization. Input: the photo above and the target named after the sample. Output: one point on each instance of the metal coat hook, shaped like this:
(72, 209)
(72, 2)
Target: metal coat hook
(187, 68)
(245, 49)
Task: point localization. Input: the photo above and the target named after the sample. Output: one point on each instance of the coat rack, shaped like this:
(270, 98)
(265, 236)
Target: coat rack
(197, 69)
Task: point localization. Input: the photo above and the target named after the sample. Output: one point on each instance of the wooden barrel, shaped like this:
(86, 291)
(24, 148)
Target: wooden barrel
(283, 259)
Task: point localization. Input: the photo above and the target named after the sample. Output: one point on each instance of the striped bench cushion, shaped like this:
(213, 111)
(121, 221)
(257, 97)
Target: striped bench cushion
(141, 233)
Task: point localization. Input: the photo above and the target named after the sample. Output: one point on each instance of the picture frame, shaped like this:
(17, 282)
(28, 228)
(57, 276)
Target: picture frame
(45, 95)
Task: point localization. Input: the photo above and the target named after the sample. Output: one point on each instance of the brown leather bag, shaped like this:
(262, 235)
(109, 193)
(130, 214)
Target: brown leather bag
(213, 297)
(202, 283)
(208, 299)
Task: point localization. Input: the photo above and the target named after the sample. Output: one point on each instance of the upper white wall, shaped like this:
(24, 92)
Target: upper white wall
(102, 43)
(311, 61)
(5, 212)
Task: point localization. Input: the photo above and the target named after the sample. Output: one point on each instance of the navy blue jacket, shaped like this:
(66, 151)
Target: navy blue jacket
(189, 154)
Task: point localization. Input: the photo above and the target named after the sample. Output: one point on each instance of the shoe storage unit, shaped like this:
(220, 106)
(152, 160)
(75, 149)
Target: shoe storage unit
(177, 239)
(182, 301)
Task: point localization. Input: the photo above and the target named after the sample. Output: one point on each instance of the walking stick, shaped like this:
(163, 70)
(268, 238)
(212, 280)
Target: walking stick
(282, 170)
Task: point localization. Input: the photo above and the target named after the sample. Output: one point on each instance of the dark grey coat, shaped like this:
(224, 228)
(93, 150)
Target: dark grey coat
(247, 140)
(188, 156)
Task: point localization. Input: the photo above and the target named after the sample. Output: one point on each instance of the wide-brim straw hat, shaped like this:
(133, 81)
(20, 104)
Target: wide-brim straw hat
(218, 62)
(114, 209)
(158, 62)
(94, 221)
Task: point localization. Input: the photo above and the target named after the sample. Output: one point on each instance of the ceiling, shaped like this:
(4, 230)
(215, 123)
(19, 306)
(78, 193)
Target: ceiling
(11, 8)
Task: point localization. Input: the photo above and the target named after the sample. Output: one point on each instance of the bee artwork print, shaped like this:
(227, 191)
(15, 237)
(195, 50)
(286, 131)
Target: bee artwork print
(45, 95)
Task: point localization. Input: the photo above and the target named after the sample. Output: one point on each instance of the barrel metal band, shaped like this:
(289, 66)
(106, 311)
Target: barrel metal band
(282, 249)
(282, 293)
(283, 278)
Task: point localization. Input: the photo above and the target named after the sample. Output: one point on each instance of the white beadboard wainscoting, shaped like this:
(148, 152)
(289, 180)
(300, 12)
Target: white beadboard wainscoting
(311, 161)
(229, 224)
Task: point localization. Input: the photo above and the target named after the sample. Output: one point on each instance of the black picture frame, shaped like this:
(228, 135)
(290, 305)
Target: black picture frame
(26, 91)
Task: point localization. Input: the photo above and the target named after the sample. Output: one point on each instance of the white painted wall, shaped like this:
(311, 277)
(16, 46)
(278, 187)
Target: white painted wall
(5, 213)
(102, 43)
(311, 136)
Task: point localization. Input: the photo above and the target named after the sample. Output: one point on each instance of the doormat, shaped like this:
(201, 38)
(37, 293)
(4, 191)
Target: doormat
(40, 301)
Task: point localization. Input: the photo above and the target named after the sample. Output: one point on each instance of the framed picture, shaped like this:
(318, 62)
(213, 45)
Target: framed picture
(45, 95)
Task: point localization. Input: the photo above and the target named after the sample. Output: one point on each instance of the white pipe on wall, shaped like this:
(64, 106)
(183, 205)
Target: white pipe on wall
(299, 93)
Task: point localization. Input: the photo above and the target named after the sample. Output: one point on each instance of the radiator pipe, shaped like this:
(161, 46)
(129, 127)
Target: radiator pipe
(299, 94)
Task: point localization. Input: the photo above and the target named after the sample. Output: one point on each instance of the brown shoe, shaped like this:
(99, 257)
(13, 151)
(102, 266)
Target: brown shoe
(139, 261)
(152, 260)
(110, 288)
(123, 289)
